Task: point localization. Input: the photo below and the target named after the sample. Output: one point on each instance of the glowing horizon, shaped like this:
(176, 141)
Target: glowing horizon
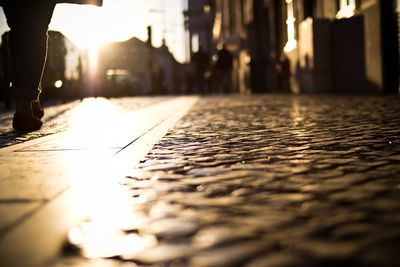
(90, 26)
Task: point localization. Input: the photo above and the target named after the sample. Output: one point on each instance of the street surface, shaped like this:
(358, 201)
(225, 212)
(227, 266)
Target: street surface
(50, 183)
(58, 117)
(256, 181)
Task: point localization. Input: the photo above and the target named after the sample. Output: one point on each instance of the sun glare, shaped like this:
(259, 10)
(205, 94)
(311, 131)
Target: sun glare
(91, 27)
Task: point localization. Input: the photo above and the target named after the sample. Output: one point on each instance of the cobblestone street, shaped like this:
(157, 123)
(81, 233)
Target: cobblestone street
(261, 181)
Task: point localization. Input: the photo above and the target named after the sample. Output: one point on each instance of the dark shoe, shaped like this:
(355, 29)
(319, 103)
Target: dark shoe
(37, 111)
(25, 122)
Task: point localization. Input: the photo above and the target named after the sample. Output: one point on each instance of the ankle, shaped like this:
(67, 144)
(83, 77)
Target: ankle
(23, 106)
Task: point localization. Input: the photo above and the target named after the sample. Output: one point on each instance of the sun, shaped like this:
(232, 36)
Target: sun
(91, 27)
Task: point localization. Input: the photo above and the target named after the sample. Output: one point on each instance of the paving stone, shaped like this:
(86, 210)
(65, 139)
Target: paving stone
(15, 210)
(222, 235)
(101, 241)
(163, 210)
(386, 256)
(353, 231)
(284, 181)
(229, 256)
(79, 262)
(328, 250)
(203, 202)
(163, 253)
(134, 221)
(280, 260)
(58, 116)
(171, 228)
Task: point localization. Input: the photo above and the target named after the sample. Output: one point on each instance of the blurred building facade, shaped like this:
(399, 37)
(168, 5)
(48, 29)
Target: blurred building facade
(199, 21)
(67, 68)
(134, 67)
(309, 46)
(232, 28)
(342, 46)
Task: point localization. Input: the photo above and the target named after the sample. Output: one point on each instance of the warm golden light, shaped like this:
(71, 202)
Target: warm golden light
(90, 27)
(207, 9)
(91, 166)
(92, 53)
(291, 43)
(58, 84)
(100, 128)
(92, 114)
(217, 28)
(346, 9)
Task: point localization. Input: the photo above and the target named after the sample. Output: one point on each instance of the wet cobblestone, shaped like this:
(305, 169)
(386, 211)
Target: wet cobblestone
(266, 181)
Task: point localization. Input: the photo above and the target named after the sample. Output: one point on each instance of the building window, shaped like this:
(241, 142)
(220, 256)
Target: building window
(291, 30)
(347, 8)
(195, 43)
(217, 28)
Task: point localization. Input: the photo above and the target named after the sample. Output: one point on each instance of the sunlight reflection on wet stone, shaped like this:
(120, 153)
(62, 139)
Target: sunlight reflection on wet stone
(161, 253)
(280, 260)
(220, 235)
(273, 181)
(172, 228)
(134, 221)
(164, 210)
(79, 262)
(96, 240)
(230, 255)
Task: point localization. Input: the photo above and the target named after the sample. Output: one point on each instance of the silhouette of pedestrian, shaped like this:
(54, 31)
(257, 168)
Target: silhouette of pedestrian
(223, 68)
(201, 61)
(28, 22)
(283, 68)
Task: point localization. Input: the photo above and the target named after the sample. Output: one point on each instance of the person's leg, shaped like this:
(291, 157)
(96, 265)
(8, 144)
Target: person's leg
(5, 71)
(28, 21)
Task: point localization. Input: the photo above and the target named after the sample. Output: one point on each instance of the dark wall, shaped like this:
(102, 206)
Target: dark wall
(390, 46)
(263, 74)
(349, 55)
(308, 8)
